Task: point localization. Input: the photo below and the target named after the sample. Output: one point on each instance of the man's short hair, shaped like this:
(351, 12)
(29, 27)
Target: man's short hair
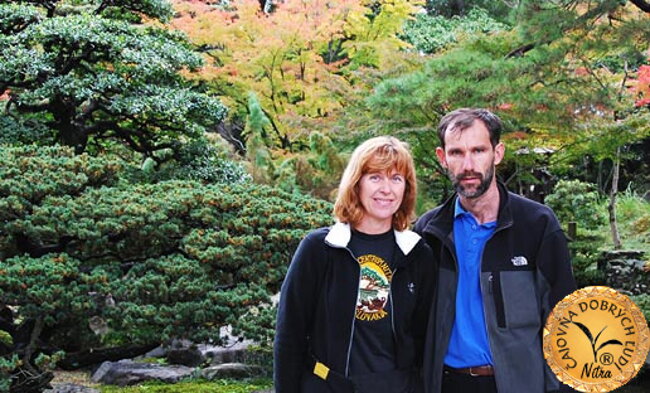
(462, 119)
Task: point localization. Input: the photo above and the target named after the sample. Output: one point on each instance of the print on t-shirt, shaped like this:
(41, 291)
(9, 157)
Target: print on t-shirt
(374, 287)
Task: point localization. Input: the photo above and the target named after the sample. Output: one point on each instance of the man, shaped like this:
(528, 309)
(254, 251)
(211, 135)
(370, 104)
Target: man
(504, 263)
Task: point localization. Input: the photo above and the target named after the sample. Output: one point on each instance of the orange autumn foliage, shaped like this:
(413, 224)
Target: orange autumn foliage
(296, 59)
(641, 88)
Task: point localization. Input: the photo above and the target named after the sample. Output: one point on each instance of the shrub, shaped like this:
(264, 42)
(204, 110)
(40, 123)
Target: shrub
(643, 301)
(205, 161)
(430, 34)
(585, 251)
(573, 200)
(90, 261)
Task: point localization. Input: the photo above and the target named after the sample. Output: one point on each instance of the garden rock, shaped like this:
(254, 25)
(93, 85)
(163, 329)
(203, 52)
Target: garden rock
(190, 357)
(158, 352)
(624, 270)
(127, 372)
(233, 349)
(219, 355)
(70, 388)
(230, 370)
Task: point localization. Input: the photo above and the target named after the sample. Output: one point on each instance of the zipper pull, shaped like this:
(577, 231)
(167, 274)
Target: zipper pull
(491, 282)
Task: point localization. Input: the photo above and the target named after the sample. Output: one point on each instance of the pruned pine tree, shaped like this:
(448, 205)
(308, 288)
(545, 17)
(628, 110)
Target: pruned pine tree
(96, 72)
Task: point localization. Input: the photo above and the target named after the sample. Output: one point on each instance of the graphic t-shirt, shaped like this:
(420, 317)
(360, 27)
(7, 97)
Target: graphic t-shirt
(373, 347)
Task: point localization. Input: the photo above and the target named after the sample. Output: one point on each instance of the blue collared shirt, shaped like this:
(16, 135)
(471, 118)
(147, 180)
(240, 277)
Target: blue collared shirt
(468, 345)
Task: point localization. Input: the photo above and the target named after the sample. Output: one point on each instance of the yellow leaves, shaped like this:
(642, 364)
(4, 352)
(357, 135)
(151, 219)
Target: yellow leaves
(375, 39)
(386, 24)
(280, 55)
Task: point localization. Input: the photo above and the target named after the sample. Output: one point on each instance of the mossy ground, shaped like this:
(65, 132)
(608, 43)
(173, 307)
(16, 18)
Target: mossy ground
(190, 386)
(195, 386)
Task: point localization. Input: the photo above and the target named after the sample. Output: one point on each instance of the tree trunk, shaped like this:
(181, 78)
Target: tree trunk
(616, 239)
(28, 378)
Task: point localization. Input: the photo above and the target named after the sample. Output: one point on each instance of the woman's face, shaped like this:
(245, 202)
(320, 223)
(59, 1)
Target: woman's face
(381, 195)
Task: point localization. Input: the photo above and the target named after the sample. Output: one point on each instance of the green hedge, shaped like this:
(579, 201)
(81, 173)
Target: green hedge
(103, 262)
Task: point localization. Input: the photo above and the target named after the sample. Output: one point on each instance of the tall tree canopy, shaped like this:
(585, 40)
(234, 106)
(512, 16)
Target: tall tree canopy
(561, 80)
(300, 59)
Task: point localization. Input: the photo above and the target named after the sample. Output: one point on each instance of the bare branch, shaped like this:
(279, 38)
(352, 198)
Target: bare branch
(521, 50)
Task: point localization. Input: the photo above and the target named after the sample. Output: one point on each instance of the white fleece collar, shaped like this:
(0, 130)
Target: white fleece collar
(340, 234)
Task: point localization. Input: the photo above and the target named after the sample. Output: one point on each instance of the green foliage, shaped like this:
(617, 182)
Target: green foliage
(546, 78)
(573, 200)
(102, 262)
(202, 160)
(643, 301)
(452, 8)
(23, 130)
(221, 386)
(183, 232)
(43, 286)
(30, 174)
(159, 9)
(633, 213)
(15, 17)
(585, 252)
(316, 170)
(92, 78)
(259, 324)
(6, 339)
(430, 34)
(7, 364)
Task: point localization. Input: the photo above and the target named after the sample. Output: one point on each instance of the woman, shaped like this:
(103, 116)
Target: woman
(354, 304)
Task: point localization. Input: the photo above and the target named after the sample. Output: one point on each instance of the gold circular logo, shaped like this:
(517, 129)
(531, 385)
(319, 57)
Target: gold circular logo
(596, 339)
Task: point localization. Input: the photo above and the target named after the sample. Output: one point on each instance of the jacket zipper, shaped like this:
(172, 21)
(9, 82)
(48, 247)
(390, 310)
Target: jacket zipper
(392, 306)
(491, 290)
(440, 236)
(347, 359)
(390, 296)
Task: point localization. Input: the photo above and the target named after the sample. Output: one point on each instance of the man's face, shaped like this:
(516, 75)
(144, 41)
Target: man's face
(470, 159)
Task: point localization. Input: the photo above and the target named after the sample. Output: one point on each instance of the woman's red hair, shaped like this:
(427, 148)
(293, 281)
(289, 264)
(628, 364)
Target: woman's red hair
(379, 154)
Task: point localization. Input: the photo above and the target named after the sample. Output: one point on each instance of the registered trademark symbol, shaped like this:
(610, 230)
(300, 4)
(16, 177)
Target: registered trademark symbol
(606, 358)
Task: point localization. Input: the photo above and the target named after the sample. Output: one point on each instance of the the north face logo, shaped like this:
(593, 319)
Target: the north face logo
(519, 261)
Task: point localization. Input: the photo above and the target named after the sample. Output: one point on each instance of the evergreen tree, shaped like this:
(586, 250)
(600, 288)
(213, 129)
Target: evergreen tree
(96, 72)
(90, 263)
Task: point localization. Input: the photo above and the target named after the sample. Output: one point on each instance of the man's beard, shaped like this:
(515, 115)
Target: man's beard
(479, 190)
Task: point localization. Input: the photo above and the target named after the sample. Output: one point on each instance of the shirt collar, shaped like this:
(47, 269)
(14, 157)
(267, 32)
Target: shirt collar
(458, 208)
(340, 235)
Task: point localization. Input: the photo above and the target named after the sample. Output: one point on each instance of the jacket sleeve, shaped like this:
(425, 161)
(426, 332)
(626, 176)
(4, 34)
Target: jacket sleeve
(554, 263)
(427, 274)
(298, 298)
